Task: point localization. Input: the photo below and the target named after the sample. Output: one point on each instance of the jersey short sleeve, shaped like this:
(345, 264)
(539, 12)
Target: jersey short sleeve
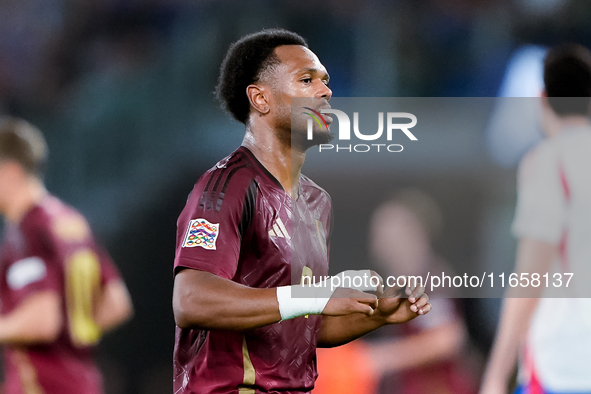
(36, 271)
(209, 229)
(541, 203)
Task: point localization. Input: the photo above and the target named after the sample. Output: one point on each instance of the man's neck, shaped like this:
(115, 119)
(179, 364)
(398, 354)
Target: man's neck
(24, 198)
(574, 121)
(278, 157)
(556, 124)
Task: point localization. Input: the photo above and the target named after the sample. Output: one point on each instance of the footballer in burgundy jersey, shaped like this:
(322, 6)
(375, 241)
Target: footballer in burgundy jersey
(52, 248)
(241, 225)
(254, 227)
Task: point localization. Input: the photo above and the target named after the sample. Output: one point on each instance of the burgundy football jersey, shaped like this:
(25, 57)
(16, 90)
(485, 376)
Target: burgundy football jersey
(241, 225)
(52, 248)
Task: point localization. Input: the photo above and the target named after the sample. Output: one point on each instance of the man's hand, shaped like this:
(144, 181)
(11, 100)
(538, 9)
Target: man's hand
(391, 307)
(394, 308)
(346, 301)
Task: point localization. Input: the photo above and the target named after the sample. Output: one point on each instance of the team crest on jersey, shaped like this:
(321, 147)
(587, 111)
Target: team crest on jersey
(201, 233)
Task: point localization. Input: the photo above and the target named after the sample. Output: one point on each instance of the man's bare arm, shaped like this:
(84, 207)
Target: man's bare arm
(114, 306)
(533, 256)
(428, 346)
(38, 319)
(207, 301)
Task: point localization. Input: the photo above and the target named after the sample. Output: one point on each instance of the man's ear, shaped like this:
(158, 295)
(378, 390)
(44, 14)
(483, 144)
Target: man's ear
(545, 103)
(258, 96)
(550, 123)
(12, 171)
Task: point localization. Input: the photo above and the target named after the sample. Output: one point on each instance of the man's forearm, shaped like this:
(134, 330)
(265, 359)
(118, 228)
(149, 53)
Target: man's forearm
(36, 320)
(206, 301)
(515, 317)
(114, 306)
(339, 330)
(425, 347)
(533, 256)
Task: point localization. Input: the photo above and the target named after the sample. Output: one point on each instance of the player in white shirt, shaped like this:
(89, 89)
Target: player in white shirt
(551, 330)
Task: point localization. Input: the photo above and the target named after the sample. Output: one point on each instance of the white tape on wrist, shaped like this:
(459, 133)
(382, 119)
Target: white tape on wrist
(290, 307)
(301, 300)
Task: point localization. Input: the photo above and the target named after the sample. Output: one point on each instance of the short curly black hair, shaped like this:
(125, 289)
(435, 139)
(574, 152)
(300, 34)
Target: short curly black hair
(567, 79)
(243, 65)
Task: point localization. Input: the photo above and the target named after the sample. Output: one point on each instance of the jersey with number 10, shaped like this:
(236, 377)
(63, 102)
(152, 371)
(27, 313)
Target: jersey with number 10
(241, 225)
(52, 249)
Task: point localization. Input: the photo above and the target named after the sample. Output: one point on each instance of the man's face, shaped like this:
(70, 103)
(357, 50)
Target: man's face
(398, 240)
(300, 74)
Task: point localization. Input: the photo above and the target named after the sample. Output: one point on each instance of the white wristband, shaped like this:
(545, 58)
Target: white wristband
(300, 300)
(290, 307)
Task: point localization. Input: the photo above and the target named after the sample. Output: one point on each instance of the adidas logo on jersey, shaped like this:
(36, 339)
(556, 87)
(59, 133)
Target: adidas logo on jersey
(279, 230)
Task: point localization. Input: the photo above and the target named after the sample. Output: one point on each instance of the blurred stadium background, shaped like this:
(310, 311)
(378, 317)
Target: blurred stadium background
(123, 91)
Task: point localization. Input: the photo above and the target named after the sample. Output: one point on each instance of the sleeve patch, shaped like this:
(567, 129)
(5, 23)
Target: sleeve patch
(25, 272)
(201, 233)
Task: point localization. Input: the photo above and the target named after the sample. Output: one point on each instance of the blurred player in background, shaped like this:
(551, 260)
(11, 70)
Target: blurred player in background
(251, 225)
(426, 355)
(59, 291)
(553, 224)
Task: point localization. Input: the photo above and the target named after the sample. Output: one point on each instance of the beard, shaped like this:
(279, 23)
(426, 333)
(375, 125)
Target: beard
(301, 120)
(299, 133)
(321, 137)
(294, 118)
